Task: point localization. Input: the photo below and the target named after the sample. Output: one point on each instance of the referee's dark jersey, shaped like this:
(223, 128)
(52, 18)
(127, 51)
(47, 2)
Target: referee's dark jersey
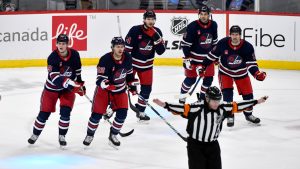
(205, 124)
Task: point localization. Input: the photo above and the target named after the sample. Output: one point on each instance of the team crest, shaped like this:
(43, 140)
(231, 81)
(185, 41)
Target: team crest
(205, 40)
(234, 61)
(179, 25)
(145, 47)
(120, 76)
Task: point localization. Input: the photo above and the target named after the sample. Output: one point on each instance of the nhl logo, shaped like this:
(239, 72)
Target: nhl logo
(179, 25)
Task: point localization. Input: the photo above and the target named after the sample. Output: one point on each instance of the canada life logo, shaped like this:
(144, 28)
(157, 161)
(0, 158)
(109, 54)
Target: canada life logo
(73, 26)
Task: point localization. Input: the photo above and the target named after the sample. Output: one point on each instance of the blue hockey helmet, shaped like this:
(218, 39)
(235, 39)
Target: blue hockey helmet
(235, 29)
(62, 38)
(204, 8)
(117, 41)
(149, 14)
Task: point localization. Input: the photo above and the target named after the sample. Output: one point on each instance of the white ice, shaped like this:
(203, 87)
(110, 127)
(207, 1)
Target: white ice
(273, 145)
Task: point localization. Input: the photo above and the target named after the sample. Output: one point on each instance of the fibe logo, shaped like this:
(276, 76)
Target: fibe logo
(264, 39)
(73, 26)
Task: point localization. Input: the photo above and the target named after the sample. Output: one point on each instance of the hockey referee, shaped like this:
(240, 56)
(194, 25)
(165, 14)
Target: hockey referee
(205, 120)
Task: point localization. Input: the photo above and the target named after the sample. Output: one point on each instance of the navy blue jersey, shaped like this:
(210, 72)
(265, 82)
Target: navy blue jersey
(142, 48)
(118, 72)
(234, 60)
(59, 69)
(199, 39)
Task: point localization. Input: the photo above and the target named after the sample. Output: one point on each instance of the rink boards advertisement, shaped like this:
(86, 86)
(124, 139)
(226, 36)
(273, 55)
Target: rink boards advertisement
(31, 37)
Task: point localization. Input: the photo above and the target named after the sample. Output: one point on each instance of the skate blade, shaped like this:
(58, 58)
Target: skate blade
(143, 121)
(63, 147)
(254, 124)
(113, 146)
(31, 145)
(85, 147)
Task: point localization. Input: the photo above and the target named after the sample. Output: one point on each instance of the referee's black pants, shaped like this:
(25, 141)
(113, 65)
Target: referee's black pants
(203, 155)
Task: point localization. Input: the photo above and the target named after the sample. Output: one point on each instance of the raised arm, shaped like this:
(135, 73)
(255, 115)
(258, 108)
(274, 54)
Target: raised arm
(236, 107)
(179, 109)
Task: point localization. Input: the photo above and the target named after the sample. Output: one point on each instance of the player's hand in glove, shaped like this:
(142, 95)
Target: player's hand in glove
(200, 70)
(154, 35)
(71, 85)
(132, 86)
(260, 75)
(106, 86)
(187, 63)
(82, 90)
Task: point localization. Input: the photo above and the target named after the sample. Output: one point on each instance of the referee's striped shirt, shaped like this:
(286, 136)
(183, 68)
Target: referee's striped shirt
(205, 124)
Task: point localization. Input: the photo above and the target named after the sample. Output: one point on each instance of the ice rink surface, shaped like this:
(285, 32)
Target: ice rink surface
(273, 145)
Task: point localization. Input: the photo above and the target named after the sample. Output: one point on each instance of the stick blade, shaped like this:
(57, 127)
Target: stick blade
(126, 134)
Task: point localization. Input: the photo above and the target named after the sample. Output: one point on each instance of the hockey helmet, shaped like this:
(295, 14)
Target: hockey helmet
(204, 8)
(62, 38)
(117, 41)
(213, 93)
(235, 29)
(149, 14)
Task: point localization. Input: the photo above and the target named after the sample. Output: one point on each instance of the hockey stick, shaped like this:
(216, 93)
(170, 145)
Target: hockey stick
(156, 112)
(121, 134)
(119, 25)
(132, 107)
(185, 95)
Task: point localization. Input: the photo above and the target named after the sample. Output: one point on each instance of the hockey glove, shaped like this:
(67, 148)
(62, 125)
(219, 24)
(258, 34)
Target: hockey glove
(82, 90)
(187, 64)
(154, 35)
(260, 75)
(132, 86)
(200, 70)
(71, 85)
(106, 86)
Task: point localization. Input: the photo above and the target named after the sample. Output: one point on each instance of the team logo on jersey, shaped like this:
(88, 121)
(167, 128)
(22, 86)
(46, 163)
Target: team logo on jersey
(205, 40)
(73, 26)
(120, 76)
(234, 61)
(226, 52)
(145, 47)
(140, 37)
(179, 25)
(66, 71)
(198, 32)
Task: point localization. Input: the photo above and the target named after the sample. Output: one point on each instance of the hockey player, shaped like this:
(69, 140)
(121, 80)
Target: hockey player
(143, 41)
(205, 120)
(200, 37)
(64, 80)
(114, 74)
(236, 56)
